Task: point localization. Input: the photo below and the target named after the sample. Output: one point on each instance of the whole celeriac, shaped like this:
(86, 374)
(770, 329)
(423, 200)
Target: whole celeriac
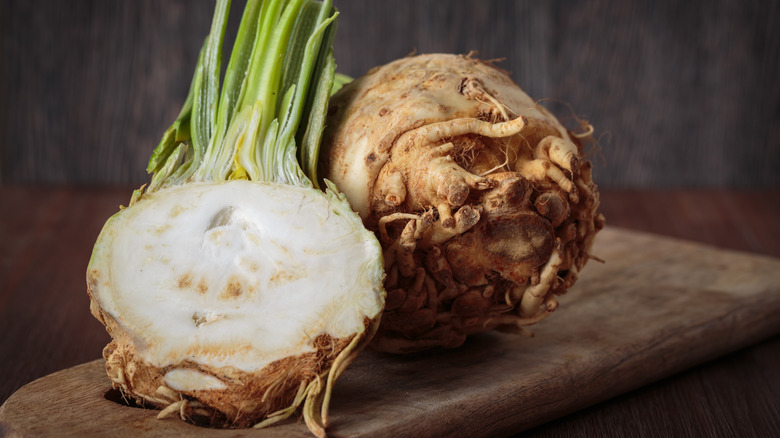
(233, 289)
(484, 205)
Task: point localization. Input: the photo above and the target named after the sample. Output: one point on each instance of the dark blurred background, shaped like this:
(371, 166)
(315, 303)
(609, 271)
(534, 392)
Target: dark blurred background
(682, 94)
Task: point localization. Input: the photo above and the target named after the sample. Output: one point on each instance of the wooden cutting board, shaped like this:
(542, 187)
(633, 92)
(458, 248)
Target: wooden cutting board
(656, 307)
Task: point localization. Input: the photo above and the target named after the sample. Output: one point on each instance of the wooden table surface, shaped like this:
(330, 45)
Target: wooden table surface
(46, 237)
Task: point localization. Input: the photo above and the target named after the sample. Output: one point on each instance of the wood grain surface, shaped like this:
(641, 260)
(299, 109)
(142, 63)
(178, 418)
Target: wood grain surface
(45, 325)
(657, 306)
(681, 93)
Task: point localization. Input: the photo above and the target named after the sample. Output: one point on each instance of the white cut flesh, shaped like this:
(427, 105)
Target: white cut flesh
(236, 274)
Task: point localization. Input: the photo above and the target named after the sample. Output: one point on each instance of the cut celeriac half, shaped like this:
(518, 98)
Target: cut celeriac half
(233, 289)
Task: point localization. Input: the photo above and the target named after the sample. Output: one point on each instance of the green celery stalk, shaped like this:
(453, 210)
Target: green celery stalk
(266, 121)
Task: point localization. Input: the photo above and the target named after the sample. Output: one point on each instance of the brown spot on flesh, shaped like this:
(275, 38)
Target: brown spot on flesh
(284, 276)
(202, 287)
(176, 210)
(232, 290)
(93, 277)
(184, 281)
(383, 112)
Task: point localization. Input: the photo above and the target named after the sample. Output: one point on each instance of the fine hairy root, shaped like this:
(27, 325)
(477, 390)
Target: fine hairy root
(484, 204)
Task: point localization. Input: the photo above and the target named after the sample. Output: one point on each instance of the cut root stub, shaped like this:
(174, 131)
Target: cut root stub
(511, 208)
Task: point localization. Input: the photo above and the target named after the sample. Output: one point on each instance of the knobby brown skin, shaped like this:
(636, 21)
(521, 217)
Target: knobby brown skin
(483, 202)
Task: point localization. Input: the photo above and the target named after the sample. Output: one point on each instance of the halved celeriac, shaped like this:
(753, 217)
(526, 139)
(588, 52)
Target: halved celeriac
(219, 293)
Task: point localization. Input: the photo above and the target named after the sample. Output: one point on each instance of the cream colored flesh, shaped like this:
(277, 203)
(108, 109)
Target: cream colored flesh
(236, 274)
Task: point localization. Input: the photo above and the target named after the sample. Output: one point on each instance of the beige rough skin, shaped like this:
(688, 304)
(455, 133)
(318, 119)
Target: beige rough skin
(484, 205)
